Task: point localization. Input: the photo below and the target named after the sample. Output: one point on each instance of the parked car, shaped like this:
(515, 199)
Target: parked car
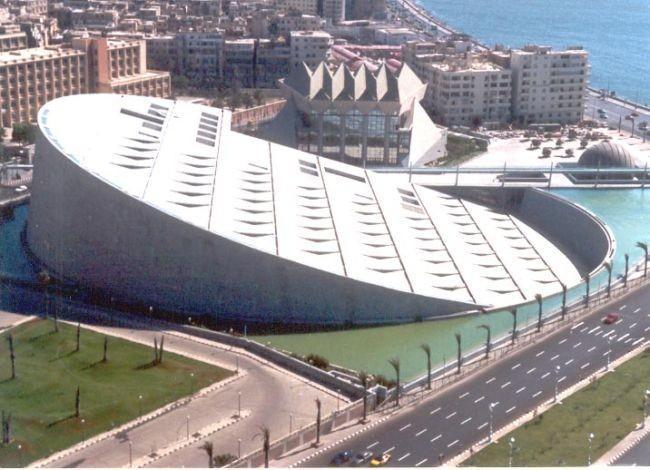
(643, 125)
(361, 458)
(611, 318)
(601, 111)
(380, 460)
(341, 458)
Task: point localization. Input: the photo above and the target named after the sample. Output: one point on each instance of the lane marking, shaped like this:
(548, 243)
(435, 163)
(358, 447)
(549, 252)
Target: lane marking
(638, 341)
(633, 325)
(405, 427)
(568, 362)
(505, 385)
(490, 381)
(436, 438)
(609, 333)
(432, 412)
(496, 403)
(539, 353)
(510, 409)
(636, 310)
(584, 329)
(623, 337)
(562, 379)
(452, 444)
(452, 415)
(578, 325)
(482, 426)
(577, 344)
(403, 456)
(563, 341)
(420, 462)
(584, 366)
(388, 450)
(628, 340)
(479, 399)
(591, 348)
(594, 329)
(521, 390)
(516, 366)
(531, 370)
(536, 394)
(546, 375)
(463, 395)
(419, 433)
(623, 307)
(555, 357)
(372, 445)
(648, 328)
(599, 333)
(465, 421)
(607, 352)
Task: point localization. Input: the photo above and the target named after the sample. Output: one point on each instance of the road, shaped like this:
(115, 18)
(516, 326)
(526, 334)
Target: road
(639, 455)
(615, 110)
(448, 423)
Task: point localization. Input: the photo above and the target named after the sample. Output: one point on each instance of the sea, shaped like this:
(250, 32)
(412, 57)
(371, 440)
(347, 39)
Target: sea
(615, 32)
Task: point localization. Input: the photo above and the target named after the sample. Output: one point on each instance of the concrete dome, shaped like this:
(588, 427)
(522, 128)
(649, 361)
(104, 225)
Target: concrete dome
(607, 154)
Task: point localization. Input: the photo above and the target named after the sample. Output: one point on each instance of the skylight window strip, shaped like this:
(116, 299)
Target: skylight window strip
(209, 122)
(153, 127)
(208, 135)
(205, 127)
(158, 106)
(144, 117)
(203, 141)
(209, 116)
(360, 179)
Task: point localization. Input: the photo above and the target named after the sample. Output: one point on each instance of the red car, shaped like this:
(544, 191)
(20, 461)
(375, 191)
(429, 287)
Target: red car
(611, 318)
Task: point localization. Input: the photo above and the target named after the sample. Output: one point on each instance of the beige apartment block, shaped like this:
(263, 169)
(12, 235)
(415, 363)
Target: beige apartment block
(549, 86)
(307, 7)
(310, 47)
(29, 78)
(13, 41)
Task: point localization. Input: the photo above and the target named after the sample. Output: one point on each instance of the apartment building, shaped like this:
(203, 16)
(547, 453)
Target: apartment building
(332, 10)
(307, 7)
(311, 47)
(284, 24)
(239, 61)
(29, 78)
(200, 54)
(12, 38)
(273, 61)
(547, 85)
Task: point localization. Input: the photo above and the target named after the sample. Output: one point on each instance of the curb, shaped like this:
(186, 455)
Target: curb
(624, 446)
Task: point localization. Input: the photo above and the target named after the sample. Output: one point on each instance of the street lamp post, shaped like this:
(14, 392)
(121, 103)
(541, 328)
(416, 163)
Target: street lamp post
(491, 407)
(590, 438)
(290, 423)
(130, 454)
(338, 404)
(139, 405)
(187, 426)
(20, 455)
(511, 445)
(239, 448)
(557, 373)
(83, 429)
(238, 404)
(191, 381)
(646, 396)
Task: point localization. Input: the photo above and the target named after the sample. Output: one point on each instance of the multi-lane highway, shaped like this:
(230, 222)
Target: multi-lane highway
(450, 422)
(616, 111)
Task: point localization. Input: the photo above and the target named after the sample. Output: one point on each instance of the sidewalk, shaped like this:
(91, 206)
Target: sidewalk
(628, 442)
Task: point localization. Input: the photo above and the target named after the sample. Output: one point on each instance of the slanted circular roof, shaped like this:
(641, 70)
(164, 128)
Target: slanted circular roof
(607, 154)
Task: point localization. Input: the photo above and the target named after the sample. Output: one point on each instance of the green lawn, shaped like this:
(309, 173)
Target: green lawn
(41, 399)
(610, 408)
(460, 150)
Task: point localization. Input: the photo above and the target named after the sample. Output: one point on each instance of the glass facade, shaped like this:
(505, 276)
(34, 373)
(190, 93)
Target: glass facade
(354, 124)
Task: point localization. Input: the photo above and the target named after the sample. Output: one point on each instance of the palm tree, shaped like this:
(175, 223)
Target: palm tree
(563, 300)
(538, 297)
(396, 365)
(487, 342)
(459, 357)
(364, 378)
(427, 350)
(587, 279)
(105, 358)
(644, 247)
(514, 325)
(12, 355)
(318, 406)
(265, 435)
(208, 447)
(77, 402)
(78, 336)
(627, 263)
(608, 267)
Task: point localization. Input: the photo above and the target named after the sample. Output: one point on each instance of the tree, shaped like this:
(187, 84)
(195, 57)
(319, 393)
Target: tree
(627, 262)
(265, 435)
(587, 279)
(584, 143)
(44, 281)
(535, 143)
(608, 267)
(78, 336)
(208, 447)
(247, 100)
(564, 289)
(514, 325)
(396, 366)
(258, 97)
(538, 297)
(6, 428)
(77, 402)
(12, 355)
(222, 460)
(155, 350)
(459, 357)
(105, 358)
(180, 82)
(24, 132)
(364, 378)
(161, 349)
(558, 143)
(644, 247)
(546, 152)
(569, 153)
(427, 350)
(318, 416)
(487, 341)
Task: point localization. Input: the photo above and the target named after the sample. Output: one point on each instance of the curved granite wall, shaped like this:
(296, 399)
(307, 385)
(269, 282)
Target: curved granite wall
(84, 230)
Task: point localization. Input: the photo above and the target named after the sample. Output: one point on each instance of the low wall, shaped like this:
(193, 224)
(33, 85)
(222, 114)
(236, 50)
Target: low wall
(255, 116)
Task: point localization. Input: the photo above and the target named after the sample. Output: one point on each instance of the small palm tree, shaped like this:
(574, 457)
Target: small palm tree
(608, 267)
(265, 435)
(587, 279)
(459, 357)
(396, 365)
(627, 264)
(644, 247)
(538, 297)
(427, 350)
(318, 415)
(12, 355)
(514, 325)
(364, 378)
(487, 341)
(564, 289)
(208, 447)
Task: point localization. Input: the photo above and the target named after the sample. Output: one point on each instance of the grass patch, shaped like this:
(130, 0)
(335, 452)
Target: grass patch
(41, 399)
(610, 408)
(460, 150)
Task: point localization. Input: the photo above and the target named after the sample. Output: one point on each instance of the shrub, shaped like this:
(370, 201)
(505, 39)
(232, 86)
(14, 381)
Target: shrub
(383, 381)
(318, 361)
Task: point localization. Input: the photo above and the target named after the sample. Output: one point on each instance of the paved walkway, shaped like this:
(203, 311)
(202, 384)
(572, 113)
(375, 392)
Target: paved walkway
(634, 449)
(268, 396)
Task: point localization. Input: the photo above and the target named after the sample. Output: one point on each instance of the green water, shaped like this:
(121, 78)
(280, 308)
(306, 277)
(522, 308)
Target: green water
(626, 211)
